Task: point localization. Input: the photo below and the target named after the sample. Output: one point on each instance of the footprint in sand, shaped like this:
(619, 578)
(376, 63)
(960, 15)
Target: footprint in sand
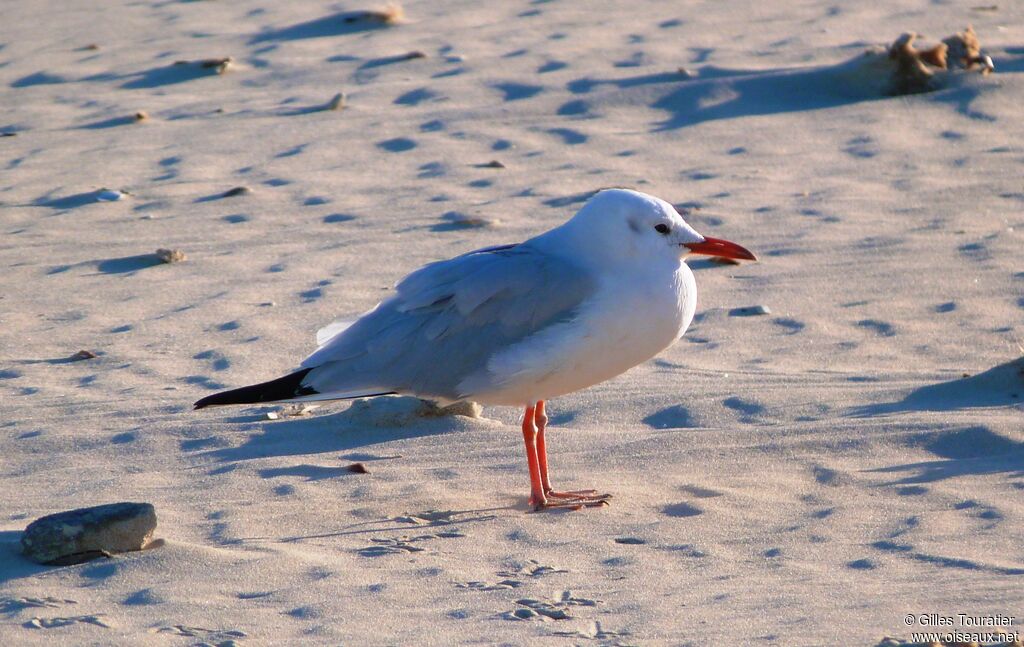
(700, 492)
(595, 632)
(548, 609)
(52, 623)
(216, 637)
(397, 145)
(747, 409)
(881, 328)
(532, 568)
(502, 585)
(681, 510)
(830, 477)
(791, 326)
(674, 417)
(569, 136)
(218, 361)
(401, 545)
(13, 605)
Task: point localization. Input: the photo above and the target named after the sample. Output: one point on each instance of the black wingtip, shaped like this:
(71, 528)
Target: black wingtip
(283, 388)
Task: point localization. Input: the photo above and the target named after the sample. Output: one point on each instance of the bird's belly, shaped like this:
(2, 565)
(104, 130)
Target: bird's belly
(616, 346)
(607, 341)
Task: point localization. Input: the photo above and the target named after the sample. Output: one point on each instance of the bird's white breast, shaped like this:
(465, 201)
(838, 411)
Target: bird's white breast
(630, 319)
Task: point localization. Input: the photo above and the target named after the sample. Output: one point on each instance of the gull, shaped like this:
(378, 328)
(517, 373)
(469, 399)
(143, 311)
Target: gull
(517, 325)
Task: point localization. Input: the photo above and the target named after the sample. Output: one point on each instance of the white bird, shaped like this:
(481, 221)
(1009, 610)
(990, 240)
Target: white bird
(519, 324)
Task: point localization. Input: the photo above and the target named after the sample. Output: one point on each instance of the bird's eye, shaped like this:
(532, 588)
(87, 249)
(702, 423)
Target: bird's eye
(662, 228)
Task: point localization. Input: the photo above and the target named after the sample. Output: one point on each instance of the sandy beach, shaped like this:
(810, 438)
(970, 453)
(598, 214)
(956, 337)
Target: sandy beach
(815, 475)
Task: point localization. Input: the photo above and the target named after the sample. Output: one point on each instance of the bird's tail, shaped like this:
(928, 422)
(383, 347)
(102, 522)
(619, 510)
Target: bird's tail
(288, 387)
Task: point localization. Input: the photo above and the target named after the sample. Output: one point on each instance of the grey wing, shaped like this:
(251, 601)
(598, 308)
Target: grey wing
(446, 320)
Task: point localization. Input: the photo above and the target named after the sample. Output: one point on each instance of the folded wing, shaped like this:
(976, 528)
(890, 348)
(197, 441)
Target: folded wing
(446, 320)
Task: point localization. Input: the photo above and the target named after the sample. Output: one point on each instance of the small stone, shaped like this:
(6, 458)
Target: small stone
(220, 64)
(110, 195)
(141, 115)
(493, 164)
(337, 103)
(83, 354)
(238, 190)
(89, 532)
(358, 468)
(91, 47)
(171, 255)
(414, 55)
(630, 540)
(750, 311)
(685, 73)
(524, 614)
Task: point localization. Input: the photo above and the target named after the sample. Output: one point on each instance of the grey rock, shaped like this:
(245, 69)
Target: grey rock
(87, 533)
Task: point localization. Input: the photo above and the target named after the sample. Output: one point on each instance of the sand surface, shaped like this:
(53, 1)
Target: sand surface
(805, 477)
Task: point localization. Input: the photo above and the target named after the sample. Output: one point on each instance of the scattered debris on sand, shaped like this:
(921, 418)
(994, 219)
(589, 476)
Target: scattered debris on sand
(83, 355)
(913, 70)
(171, 255)
(298, 410)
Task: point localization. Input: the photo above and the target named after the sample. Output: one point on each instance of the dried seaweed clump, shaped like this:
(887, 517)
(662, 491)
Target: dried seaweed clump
(922, 70)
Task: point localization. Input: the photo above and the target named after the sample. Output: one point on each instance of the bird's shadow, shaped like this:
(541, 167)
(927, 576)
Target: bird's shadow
(353, 428)
(722, 93)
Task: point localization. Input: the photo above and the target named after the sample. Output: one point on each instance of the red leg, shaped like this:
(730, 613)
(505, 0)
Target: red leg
(541, 420)
(537, 498)
(576, 498)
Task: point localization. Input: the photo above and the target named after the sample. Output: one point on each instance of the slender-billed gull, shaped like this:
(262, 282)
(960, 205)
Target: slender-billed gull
(519, 324)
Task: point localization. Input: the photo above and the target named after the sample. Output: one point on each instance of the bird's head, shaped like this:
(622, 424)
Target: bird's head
(621, 224)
